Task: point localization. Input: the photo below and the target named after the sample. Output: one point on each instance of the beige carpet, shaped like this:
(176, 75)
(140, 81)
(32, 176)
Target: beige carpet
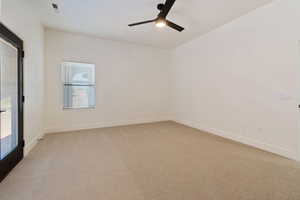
(159, 161)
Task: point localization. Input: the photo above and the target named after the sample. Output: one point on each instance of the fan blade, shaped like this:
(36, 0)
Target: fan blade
(174, 26)
(166, 9)
(145, 22)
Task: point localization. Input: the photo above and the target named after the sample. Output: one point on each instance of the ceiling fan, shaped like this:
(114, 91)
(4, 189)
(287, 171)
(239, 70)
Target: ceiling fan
(161, 20)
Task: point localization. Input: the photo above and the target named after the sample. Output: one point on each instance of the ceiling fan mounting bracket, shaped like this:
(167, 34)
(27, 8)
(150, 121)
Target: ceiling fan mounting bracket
(160, 6)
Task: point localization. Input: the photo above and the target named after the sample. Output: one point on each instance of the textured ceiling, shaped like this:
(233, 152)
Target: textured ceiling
(109, 18)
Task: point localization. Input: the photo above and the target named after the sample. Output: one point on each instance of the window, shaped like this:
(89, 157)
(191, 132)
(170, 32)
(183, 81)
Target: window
(78, 85)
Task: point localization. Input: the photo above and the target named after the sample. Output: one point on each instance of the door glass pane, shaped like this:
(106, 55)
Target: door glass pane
(8, 98)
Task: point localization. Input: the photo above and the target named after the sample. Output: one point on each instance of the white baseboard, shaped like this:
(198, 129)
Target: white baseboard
(31, 144)
(248, 141)
(76, 127)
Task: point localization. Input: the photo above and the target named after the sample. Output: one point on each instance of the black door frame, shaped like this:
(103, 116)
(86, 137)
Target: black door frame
(12, 159)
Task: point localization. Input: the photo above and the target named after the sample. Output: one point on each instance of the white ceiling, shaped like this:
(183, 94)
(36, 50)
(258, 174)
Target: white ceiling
(109, 18)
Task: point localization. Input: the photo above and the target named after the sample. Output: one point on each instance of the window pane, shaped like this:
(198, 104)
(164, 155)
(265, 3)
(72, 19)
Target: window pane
(79, 96)
(79, 73)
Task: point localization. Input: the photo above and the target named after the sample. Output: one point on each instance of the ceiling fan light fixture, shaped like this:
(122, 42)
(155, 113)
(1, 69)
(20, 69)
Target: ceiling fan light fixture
(160, 23)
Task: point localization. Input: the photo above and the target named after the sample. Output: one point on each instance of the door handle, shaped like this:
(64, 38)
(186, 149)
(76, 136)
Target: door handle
(2, 111)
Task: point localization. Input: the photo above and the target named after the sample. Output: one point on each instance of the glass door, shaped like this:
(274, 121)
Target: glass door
(8, 98)
(11, 101)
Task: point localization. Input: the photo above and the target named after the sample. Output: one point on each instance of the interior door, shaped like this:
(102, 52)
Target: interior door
(11, 101)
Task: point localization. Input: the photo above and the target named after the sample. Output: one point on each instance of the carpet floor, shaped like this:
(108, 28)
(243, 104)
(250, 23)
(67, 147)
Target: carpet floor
(158, 161)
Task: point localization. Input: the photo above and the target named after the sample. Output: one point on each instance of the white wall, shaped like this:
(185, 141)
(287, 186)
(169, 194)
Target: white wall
(132, 82)
(241, 81)
(19, 17)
